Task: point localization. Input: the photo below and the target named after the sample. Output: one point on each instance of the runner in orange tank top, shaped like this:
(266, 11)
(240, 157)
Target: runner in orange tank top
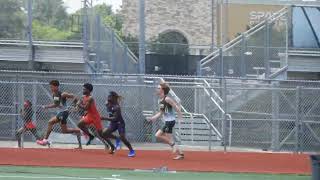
(92, 116)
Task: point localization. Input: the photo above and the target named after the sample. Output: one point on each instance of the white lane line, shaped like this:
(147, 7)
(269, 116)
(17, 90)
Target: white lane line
(58, 177)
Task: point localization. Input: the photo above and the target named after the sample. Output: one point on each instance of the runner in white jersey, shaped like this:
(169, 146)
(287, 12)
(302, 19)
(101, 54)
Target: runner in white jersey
(166, 110)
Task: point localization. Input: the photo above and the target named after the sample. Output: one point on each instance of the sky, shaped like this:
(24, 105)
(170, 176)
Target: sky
(74, 5)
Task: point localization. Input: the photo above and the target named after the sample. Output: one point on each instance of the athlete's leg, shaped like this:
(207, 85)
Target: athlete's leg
(35, 133)
(104, 136)
(52, 121)
(18, 136)
(76, 131)
(83, 126)
(160, 135)
(125, 141)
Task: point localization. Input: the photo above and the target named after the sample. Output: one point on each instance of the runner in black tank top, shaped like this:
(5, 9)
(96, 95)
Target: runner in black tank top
(60, 102)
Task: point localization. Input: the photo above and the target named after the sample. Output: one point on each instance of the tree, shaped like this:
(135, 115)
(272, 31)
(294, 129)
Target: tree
(132, 43)
(12, 18)
(44, 32)
(51, 13)
(171, 43)
(51, 21)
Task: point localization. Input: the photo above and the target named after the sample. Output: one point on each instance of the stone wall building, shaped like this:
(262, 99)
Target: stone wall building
(193, 19)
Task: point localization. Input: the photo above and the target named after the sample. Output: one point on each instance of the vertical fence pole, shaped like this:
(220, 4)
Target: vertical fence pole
(85, 31)
(113, 52)
(34, 102)
(98, 39)
(20, 106)
(29, 33)
(210, 137)
(125, 58)
(155, 105)
(298, 119)
(224, 121)
(142, 37)
(267, 49)
(275, 118)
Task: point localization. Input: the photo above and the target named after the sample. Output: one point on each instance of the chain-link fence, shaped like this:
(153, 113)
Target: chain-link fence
(106, 50)
(230, 113)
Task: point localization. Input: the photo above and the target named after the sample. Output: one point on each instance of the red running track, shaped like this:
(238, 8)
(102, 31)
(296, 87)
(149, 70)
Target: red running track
(231, 162)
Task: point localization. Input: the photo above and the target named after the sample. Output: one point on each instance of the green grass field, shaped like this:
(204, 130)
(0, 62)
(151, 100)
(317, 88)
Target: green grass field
(32, 173)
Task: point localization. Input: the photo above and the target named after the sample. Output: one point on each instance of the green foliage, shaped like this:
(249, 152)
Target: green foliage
(51, 13)
(45, 32)
(132, 42)
(171, 43)
(12, 19)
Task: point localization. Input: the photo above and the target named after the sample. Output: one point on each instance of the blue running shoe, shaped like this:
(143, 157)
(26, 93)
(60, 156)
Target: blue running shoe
(118, 144)
(132, 153)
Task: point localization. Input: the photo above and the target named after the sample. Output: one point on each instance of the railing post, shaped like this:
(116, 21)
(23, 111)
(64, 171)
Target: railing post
(199, 69)
(243, 64)
(221, 62)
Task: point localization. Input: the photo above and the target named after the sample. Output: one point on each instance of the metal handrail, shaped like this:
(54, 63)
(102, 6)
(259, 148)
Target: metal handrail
(251, 31)
(213, 91)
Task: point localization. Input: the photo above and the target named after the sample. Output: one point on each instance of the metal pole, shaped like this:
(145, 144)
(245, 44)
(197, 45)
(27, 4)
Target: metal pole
(297, 122)
(155, 104)
(275, 118)
(287, 44)
(85, 30)
(142, 37)
(224, 123)
(21, 99)
(113, 52)
(221, 23)
(226, 21)
(34, 101)
(125, 58)
(29, 34)
(199, 70)
(212, 25)
(221, 62)
(243, 64)
(210, 138)
(98, 36)
(266, 50)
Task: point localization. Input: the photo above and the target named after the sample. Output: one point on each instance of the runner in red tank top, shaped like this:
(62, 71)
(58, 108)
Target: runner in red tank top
(92, 116)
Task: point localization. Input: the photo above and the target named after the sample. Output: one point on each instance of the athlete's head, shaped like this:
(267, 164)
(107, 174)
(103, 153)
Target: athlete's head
(163, 89)
(114, 98)
(27, 104)
(54, 85)
(87, 88)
